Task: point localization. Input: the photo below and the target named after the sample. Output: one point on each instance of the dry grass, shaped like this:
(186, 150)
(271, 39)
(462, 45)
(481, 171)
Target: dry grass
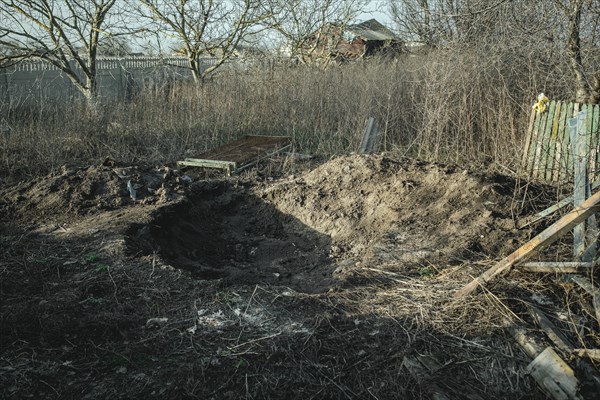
(445, 106)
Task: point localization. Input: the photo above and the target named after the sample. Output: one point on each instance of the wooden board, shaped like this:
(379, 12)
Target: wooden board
(544, 239)
(578, 149)
(552, 209)
(547, 146)
(595, 137)
(554, 376)
(551, 330)
(564, 267)
(240, 153)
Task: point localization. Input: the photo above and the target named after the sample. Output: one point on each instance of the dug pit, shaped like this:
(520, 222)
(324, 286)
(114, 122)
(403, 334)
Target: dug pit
(312, 231)
(227, 232)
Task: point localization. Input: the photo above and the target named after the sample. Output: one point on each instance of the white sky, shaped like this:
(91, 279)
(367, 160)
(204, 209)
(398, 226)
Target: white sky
(377, 9)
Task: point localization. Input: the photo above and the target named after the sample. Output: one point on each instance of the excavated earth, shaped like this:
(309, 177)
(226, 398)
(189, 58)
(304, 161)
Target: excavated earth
(321, 284)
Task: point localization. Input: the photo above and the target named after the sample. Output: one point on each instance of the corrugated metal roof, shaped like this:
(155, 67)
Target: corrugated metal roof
(371, 30)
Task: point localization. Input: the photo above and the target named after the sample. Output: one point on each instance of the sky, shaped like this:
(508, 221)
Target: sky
(376, 9)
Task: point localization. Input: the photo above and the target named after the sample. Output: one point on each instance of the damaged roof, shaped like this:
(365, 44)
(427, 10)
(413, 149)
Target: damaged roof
(371, 30)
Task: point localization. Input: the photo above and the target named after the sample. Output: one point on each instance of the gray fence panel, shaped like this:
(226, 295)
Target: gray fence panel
(37, 82)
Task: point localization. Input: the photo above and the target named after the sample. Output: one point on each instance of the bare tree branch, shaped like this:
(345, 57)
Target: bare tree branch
(206, 27)
(64, 33)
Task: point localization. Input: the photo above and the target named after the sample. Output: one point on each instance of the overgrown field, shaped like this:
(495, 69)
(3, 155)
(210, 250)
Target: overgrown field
(317, 274)
(466, 107)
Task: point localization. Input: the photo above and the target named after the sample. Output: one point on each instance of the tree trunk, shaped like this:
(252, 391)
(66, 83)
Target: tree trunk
(595, 92)
(195, 72)
(582, 89)
(91, 96)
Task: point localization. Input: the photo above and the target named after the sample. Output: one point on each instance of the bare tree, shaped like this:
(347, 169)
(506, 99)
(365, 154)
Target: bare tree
(438, 22)
(557, 30)
(429, 22)
(587, 83)
(65, 33)
(206, 27)
(115, 46)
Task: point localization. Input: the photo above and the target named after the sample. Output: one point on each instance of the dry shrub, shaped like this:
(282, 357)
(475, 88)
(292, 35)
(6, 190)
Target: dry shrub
(469, 107)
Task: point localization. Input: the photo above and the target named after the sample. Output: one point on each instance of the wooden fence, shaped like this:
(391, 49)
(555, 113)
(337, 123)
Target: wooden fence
(548, 155)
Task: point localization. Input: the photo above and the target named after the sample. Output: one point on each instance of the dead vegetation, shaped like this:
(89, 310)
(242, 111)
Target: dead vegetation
(335, 282)
(320, 278)
(467, 107)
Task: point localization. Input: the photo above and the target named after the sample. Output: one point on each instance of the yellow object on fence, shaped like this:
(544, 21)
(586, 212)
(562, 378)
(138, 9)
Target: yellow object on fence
(542, 103)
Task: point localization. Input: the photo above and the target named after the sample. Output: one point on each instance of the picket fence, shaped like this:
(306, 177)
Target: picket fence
(548, 155)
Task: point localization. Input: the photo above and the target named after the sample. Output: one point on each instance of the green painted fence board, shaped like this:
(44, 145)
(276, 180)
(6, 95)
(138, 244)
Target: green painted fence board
(549, 149)
(535, 135)
(559, 160)
(547, 154)
(539, 144)
(554, 156)
(566, 142)
(568, 170)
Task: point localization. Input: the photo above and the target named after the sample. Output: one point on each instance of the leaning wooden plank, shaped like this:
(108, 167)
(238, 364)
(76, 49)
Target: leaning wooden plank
(545, 238)
(578, 145)
(551, 330)
(594, 354)
(560, 145)
(550, 143)
(528, 141)
(554, 376)
(551, 210)
(564, 267)
(586, 285)
(538, 166)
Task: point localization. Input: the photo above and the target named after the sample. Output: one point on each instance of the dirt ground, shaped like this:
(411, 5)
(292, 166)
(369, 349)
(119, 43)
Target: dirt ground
(300, 279)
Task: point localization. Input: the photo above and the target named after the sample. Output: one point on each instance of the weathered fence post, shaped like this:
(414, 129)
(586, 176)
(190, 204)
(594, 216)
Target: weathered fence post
(582, 190)
(579, 179)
